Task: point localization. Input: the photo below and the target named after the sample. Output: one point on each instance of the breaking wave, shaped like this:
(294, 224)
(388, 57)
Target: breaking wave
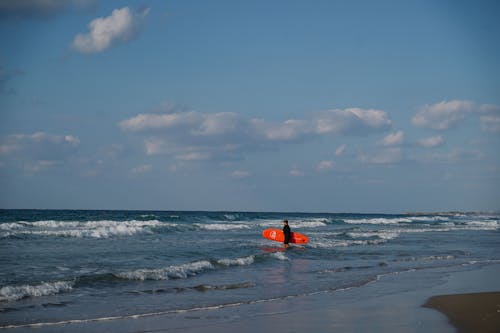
(379, 220)
(238, 261)
(280, 256)
(221, 226)
(14, 293)
(299, 224)
(183, 271)
(171, 272)
(77, 229)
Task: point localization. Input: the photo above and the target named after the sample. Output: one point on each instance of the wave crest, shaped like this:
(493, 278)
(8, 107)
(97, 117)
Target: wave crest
(171, 272)
(79, 229)
(238, 261)
(14, 293)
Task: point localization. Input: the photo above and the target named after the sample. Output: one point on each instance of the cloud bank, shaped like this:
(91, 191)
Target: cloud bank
(490, 123)
(393, 139)
(37, 151)
(192, 135)
(121, 26)
(449, 114)
(384, 156)
(431, 142)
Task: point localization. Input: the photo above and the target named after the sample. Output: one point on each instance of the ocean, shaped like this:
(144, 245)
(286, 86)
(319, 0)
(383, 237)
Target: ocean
(61, 267)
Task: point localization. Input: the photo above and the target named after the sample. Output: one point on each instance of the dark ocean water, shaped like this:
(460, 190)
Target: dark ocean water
(66, 265)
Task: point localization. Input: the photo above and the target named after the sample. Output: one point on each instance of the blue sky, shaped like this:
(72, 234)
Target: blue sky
(330, 106)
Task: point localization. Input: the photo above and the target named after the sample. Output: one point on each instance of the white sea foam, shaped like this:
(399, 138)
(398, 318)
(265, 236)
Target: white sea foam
(428, 258)
(80, 229)
(379, 220)
(450, 226)
(397, 220)
(222, 226)
(430, 218)
(483, 225)
(295, 224)
(279, 256)
(12, 226)
(171, 272)
(324, 243)
(14, 293)
(382, 234)
(443, 257)
(238, 261)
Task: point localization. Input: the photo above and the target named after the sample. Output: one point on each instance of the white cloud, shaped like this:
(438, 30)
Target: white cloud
(443, 115)
(289, 130)
(240, 174)
(393, 139)
(431, 142)
(490, 123)
(454, 156)
(219, 124)
(38, 166)
(340, 150)
(384, 156)
(351, 121)
(229, 134)
(296, 172)
(104, 32)
(37, 151)
(38, 143)
(145, 168)
(448, 114)
(194, 156)
(143, 122)
(7, 148)
(154, 146)
(325, 165)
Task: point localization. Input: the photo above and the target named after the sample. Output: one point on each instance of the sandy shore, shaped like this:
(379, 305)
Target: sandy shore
(393, 303)
(479, 312)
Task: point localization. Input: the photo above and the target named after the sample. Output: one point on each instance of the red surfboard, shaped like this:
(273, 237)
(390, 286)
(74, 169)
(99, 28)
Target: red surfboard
(278, 236)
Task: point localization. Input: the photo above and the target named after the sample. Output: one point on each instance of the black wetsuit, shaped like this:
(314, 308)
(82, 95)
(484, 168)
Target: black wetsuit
(286, 232)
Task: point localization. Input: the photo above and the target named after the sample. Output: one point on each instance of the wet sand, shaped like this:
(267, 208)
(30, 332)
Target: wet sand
(478, 312)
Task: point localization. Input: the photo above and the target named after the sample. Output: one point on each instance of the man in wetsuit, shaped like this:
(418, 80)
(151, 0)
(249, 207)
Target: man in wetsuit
(286, 232)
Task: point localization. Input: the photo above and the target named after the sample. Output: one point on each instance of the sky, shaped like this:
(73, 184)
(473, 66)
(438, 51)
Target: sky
(314, 106)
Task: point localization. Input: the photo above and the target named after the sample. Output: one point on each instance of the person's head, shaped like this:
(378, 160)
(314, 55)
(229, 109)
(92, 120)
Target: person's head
(285, 222)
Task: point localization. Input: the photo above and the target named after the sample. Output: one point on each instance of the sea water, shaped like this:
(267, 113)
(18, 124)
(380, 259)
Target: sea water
(59, 267)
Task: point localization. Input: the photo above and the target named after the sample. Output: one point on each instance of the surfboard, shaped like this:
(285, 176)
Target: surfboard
(278, 236)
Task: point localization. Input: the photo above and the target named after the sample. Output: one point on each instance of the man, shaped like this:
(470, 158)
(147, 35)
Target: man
(286, 232)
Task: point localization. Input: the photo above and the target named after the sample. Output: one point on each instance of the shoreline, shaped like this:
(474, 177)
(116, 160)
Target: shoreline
(394, 302)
